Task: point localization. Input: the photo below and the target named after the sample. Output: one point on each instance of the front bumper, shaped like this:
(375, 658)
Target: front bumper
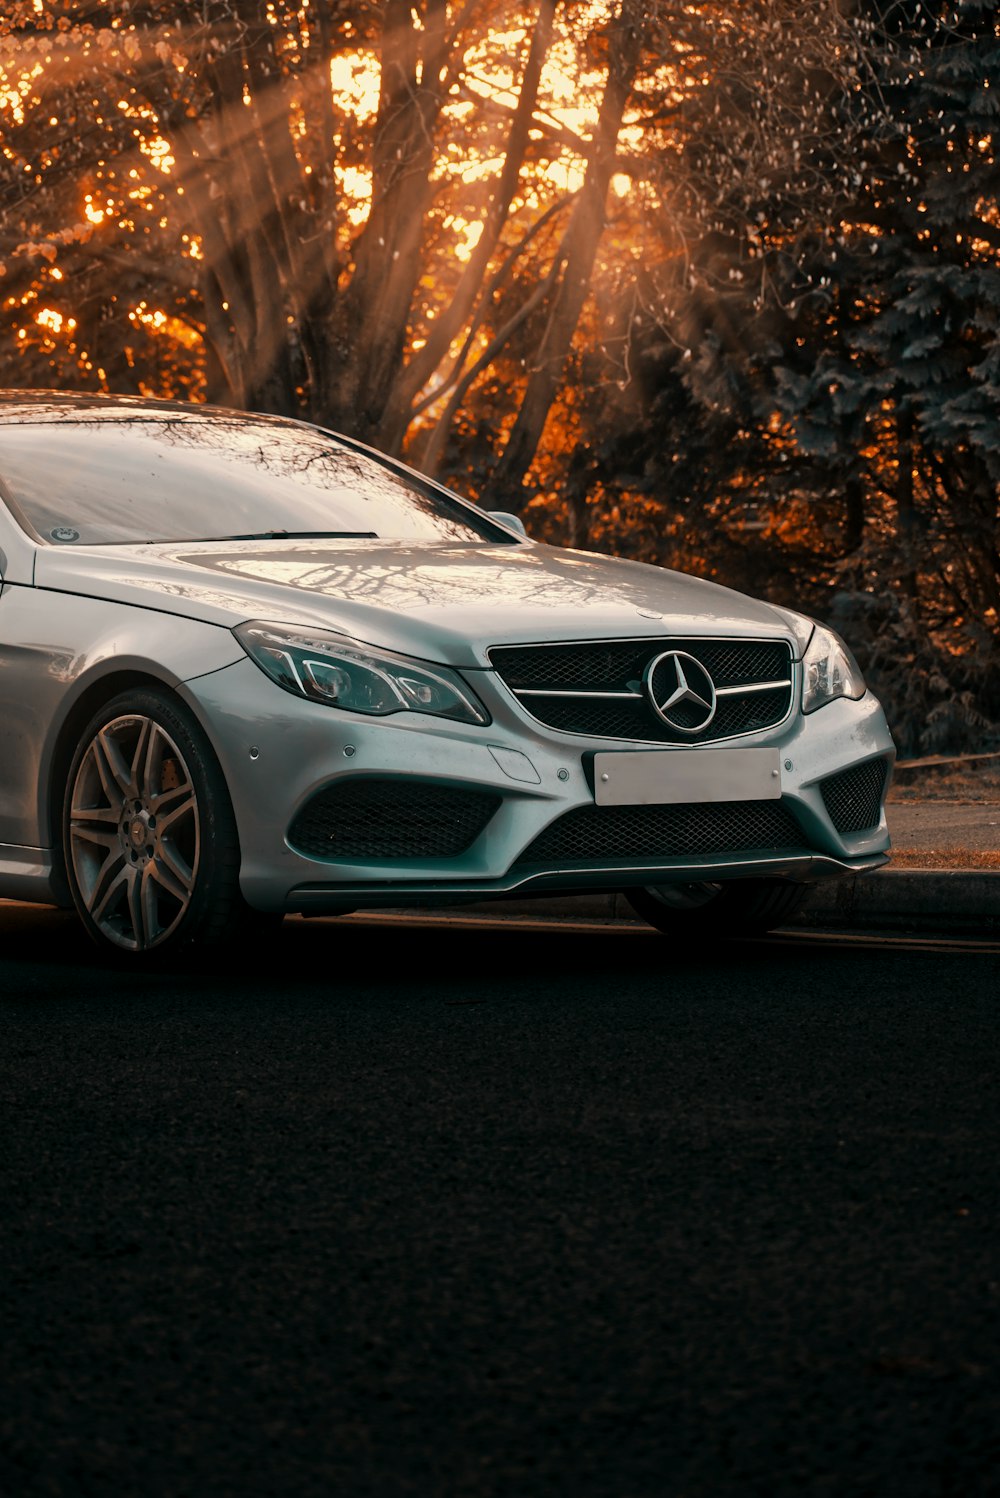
(277, 751)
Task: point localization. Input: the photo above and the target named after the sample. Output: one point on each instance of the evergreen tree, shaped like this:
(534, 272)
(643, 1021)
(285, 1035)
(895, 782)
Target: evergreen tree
(830, 358)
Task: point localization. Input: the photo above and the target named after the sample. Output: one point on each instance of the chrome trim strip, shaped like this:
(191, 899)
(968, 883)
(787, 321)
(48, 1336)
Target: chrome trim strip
(613, 740)
(571, 692)
(752, 686)
(637, 639)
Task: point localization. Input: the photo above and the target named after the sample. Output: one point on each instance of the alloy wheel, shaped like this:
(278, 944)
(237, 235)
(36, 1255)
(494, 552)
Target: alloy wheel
(685, 896)
(134, 832)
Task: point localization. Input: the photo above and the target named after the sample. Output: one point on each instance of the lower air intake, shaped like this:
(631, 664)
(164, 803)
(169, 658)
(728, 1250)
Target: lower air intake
(853, 798)
(644, 834)
(364, 820)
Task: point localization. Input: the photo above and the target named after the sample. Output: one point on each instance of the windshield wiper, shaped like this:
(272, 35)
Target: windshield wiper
(298, 536)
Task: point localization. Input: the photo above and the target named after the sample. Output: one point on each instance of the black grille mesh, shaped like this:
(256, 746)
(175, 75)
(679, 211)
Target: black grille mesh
(853, 797)
(614, 719)
(641, 834)
(610, 666)
(369, 819)
(618, 666)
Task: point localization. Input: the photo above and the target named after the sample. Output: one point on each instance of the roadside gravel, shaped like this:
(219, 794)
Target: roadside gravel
(946, 816)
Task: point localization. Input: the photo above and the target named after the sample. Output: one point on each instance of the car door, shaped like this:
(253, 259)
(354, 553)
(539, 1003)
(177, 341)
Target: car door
(21, 724)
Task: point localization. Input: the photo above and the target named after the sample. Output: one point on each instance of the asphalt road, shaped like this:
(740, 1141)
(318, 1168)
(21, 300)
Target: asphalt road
(403, 1210)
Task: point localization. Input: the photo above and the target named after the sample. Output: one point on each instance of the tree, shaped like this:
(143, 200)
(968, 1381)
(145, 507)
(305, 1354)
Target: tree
(827, 356)
(917, 351)
(744, 181)
(383, 262)
(204, 157)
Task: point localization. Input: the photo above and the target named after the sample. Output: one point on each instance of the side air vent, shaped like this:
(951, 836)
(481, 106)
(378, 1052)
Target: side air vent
(853, 798)
(365, 820)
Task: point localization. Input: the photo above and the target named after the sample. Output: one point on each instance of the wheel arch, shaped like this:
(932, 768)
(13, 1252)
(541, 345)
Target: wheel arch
(191, 838)
(52, 781)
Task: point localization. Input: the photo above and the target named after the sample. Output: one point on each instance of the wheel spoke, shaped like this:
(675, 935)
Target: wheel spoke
(138, 767)
(95, 824)
(102, 835)
(132, 903)
(98, 815)
(172, 806)
(145, 763)
(171, 871)
(109, 886)
(115, 773)
(143, 907)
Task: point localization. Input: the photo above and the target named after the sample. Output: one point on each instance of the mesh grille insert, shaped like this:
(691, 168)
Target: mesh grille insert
(619, 666)
(853, 797)
(610, 665)
(641, 834)
(370, 819)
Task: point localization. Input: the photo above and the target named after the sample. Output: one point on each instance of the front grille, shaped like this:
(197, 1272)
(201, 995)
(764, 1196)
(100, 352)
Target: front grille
(853, 798)
(615, 719)
(372, 819)
(644, 834)
(618, 666)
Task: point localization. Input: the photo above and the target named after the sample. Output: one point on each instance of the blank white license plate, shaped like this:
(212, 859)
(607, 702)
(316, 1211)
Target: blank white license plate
(654, 776)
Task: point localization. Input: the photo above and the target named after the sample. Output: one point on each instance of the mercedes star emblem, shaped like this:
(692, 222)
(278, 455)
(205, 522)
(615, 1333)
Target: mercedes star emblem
(680, 691)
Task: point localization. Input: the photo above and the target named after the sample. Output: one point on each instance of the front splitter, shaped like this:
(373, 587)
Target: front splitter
(802, 868)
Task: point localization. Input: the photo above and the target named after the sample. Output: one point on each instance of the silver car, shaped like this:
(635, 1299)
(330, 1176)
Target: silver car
(248, 667)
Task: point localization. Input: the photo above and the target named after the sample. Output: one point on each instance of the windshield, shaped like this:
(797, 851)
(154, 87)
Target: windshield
(193, 477)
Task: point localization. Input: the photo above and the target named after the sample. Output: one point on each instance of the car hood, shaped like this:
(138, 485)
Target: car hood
(438, 602)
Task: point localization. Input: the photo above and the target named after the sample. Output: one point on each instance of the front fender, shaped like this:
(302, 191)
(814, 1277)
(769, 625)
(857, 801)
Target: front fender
(61, 655)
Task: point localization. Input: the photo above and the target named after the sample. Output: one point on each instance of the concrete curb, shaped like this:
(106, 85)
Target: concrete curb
(929, 901)
(908, 770)
(926, 900)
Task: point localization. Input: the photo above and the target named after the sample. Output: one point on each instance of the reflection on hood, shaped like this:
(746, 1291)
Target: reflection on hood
(442, 602)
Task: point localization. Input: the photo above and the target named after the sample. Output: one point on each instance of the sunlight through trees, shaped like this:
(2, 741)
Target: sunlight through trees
(712, 285)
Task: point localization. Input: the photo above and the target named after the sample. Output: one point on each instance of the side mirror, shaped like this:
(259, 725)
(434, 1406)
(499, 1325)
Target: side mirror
(512, 522)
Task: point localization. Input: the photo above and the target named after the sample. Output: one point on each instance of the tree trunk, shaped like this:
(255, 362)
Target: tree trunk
(370, 329)
(451, 320)
(906, 514)
(577, 253)
(854, 512)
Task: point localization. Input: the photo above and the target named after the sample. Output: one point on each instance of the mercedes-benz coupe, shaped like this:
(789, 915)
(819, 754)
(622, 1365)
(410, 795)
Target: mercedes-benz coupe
(248, 666)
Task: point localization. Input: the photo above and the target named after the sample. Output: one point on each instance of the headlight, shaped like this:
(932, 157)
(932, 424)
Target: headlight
(344, 673)
(829, 670)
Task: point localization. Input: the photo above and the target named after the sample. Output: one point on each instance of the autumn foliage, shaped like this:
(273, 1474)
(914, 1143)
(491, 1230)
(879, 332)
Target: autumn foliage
(712, 285)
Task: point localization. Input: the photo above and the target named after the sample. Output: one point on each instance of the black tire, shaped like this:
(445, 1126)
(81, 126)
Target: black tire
(739, 907)
(149, 837)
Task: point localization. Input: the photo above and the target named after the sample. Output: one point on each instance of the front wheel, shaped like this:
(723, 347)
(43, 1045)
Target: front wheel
(740, 907)
(149, 835)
